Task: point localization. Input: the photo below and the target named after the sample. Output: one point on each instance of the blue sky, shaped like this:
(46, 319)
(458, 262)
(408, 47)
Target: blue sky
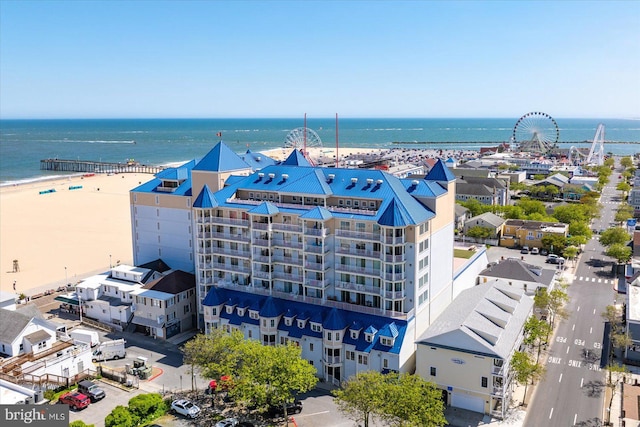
(116, 59)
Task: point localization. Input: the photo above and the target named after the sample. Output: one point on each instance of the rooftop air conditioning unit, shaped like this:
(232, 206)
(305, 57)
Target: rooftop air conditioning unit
(261, 174)
(369, 180)
(258, 158)
(272, 175)
(331, 177)
(415, 182)
(379, 182)
(354, 180)
(285, 176)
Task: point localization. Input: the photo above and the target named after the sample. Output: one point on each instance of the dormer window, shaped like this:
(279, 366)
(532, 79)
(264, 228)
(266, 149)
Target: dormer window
(229, 309)
(354, 334)
(253, 315)
(240, 311)
(288, 321)
(316, 327)
(386, 341)
(301, 324)
(368, 337)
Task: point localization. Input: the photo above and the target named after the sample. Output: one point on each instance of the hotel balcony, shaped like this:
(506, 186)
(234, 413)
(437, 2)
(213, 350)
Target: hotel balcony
(368, 271)
(394, 294)
(239, 269)
(497, 370)
(266, 259)
(281, 259)
(355, 235)
(317, 232)
(321, 284)
(393, 240)
(317, 266)
(395, 258)
(316, 249)
(349, 286)
(235, 253)
(206, 280)
(291, 228)
(208, 250)
(291, 277)
(262, 274)
(262, 242)
(286, 244)
(261, 226)
(358, 252)
(204, 235)
(498, 391)
(231, 237)
(396, 277)
(227, 221)
(331, 360)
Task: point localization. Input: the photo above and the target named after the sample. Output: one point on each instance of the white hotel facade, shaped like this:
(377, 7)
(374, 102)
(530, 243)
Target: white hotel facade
(352, 265)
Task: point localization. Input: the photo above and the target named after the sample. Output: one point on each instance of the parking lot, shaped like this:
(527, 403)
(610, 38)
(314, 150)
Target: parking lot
(497, 253)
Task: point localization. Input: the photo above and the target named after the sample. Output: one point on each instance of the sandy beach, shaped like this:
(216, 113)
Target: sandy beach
(77, 229)
(82, 229)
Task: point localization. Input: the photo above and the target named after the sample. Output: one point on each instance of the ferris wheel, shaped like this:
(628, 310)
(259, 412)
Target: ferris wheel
(301, 137)
(536, 132)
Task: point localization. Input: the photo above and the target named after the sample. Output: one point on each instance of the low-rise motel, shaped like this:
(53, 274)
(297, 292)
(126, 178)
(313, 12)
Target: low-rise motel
(352, 265)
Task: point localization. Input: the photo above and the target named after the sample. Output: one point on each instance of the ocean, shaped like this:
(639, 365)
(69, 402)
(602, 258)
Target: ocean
(23, 143)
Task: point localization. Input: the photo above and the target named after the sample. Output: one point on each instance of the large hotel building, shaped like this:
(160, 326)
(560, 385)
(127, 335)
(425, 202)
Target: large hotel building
(352, 265)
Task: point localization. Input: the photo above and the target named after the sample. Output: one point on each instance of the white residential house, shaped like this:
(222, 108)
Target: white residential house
(467, 351)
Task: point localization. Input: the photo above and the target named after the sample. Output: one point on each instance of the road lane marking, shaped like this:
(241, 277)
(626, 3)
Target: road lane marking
(591, 330)
(575, 418)
(599, 280)
(594, 311)
(578, 308)
(560, 379)
(551, 413)
(567, 350)
(581, 382)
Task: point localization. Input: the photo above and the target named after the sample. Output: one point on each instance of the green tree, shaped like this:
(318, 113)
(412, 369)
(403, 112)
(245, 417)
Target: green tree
(551, 191)
(614, 235)
(120, 417)
(552, 302)
(475, 207)
(554, 243)
(412, 401)
(569, 213)
(622, 253)
(525, 370)
(80, 423)
(623, 213)
(580, 228)
(530, 206)
(626, 162)
(361, 396)
(479, 232)
(570, 252)
(624, 187)
(147, 407)
(536, 334)
(618, 338)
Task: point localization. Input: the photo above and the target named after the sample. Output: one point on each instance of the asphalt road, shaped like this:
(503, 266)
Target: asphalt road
(573, 388)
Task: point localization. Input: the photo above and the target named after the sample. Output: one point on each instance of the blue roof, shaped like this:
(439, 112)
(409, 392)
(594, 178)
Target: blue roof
(296, 158)
(334, 321)
(205, 199)
(440, 172)
(393, 215)
(331, 318)
(180, 173)
(317, 213)
(232, 179)
(221, 158)
(257, 160)
(265, 208)
(270, 308)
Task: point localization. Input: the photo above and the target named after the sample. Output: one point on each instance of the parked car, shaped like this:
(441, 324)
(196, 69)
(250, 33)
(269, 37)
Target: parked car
(555, 259)
(92, 390)
(185, 408)
(294, 407)
(228, 422)
(544, 252)
(524, 250)
(534, 251)
(75, 400)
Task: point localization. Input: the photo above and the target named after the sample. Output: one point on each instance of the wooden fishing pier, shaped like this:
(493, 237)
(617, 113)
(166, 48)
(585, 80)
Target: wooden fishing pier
(88, 166)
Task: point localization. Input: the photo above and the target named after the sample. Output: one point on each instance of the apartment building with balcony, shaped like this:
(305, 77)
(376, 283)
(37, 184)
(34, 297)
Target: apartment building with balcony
(467, 351)
(351, 264)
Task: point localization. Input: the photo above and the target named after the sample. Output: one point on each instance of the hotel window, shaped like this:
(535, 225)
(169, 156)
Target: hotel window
(157, 200)
(273, 323)
(310, 346)
(432, 371)
(340, 202)
(288, 321)
(385, 363)
(301, 324)
(354, 335)
(329, 336)
(372, 204)
(363, 360)
(315, 327)
(253, 315)
(348, 202)
(368, 337)
(356, 203)
(484, 382)
(350, 355)
(250, 333)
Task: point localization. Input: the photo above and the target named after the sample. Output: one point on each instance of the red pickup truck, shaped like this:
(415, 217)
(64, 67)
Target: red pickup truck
(75, 400)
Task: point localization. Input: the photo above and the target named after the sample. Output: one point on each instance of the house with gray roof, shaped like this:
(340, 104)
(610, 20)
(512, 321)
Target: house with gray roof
(519, 275)
(25, 331)
(486, 220)
(467, 351)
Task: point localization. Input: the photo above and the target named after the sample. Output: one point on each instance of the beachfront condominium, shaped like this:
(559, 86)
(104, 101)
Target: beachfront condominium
(352, 265)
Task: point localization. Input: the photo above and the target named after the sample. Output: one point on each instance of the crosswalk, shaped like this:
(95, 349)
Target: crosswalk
(594, 279)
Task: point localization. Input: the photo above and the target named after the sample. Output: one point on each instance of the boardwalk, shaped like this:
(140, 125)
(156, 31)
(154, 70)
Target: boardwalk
(60, 165)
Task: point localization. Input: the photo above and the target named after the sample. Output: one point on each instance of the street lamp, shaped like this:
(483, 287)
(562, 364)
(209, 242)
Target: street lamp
(109, 260)
(66, 281)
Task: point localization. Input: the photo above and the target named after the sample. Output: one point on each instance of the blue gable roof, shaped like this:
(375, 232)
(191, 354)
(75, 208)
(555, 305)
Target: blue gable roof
(205, 199)
(393, 215)
(440, 172)
(317, 213)
(221, 158)
(296, 158)
(334, 321)
(257, 160)
(265, 208)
